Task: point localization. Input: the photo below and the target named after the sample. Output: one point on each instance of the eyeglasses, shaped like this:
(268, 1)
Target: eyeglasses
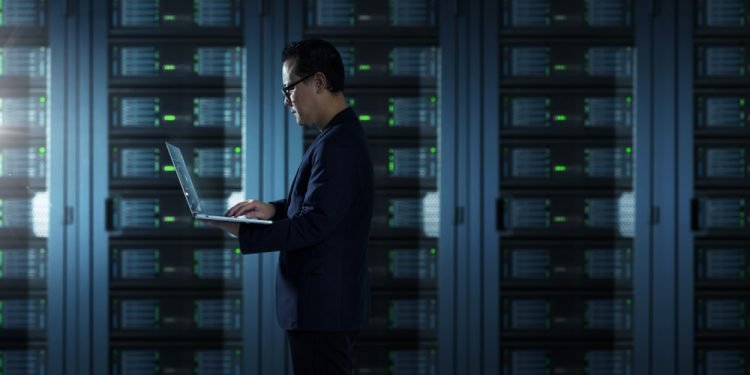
(287, 90)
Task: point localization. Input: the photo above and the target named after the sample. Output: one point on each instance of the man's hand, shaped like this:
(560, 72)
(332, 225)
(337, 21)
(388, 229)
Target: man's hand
(230, 227)
(252, 209)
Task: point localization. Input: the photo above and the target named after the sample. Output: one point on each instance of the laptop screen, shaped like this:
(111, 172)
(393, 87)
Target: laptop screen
(186, 182)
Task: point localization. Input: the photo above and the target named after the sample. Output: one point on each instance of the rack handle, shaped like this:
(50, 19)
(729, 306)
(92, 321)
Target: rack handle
(694, 217)
(109, 209)
(500, 212)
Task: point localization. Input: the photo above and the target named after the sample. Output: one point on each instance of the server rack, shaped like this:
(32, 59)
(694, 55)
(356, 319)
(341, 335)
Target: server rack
(27, 243)
(175, 71)
(392, 60)
(719, 246)
(566, 214)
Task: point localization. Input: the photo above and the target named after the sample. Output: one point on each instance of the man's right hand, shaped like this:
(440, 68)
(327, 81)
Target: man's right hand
(252, 209)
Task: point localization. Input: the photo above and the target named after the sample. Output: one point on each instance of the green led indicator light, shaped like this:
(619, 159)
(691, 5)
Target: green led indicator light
(391, 108)
(42, 150)
(364, 67)
(169, 67)
(391, 122)
(560, 168)
(391, 166)
(560, 17)
(169, 17)
(561, 118)
(170, 117)
(433, 99)
(742, 102)
(560, 67)
(169, 168)
(42, 99)
(433, 150)
(365, 118)
(238, 150)
(628, 150)
(169, 219)
(238, 251)
(628, 99)
(433, 251)
(352, 102)
(560, 219)
(629, 301)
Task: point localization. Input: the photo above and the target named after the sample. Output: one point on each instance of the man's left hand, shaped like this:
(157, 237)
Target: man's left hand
(228, 226)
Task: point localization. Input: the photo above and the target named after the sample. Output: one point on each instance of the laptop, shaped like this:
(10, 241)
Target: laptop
(188, 189)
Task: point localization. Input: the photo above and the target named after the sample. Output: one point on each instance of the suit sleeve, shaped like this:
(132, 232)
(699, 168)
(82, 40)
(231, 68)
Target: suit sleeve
(330, 195)
(279, 207)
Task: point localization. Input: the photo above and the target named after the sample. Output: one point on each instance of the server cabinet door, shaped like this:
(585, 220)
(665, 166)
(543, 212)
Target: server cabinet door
(566, 212)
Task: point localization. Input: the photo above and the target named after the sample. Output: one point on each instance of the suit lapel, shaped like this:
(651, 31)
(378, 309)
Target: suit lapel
(293, 187)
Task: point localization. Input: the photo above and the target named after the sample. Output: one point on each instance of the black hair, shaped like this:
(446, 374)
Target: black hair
(316, 55)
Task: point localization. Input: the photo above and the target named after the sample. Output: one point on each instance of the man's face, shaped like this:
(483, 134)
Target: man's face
(298, 97)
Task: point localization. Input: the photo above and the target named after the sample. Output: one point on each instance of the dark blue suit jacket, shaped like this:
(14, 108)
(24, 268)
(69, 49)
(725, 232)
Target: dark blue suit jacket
(321, 229)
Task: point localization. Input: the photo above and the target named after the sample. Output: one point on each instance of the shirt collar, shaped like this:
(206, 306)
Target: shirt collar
(346, 115)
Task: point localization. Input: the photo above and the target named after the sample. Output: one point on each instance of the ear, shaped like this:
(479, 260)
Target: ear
(320, 81)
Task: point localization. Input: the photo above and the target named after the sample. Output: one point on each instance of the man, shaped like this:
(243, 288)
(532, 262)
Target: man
(321, 228)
